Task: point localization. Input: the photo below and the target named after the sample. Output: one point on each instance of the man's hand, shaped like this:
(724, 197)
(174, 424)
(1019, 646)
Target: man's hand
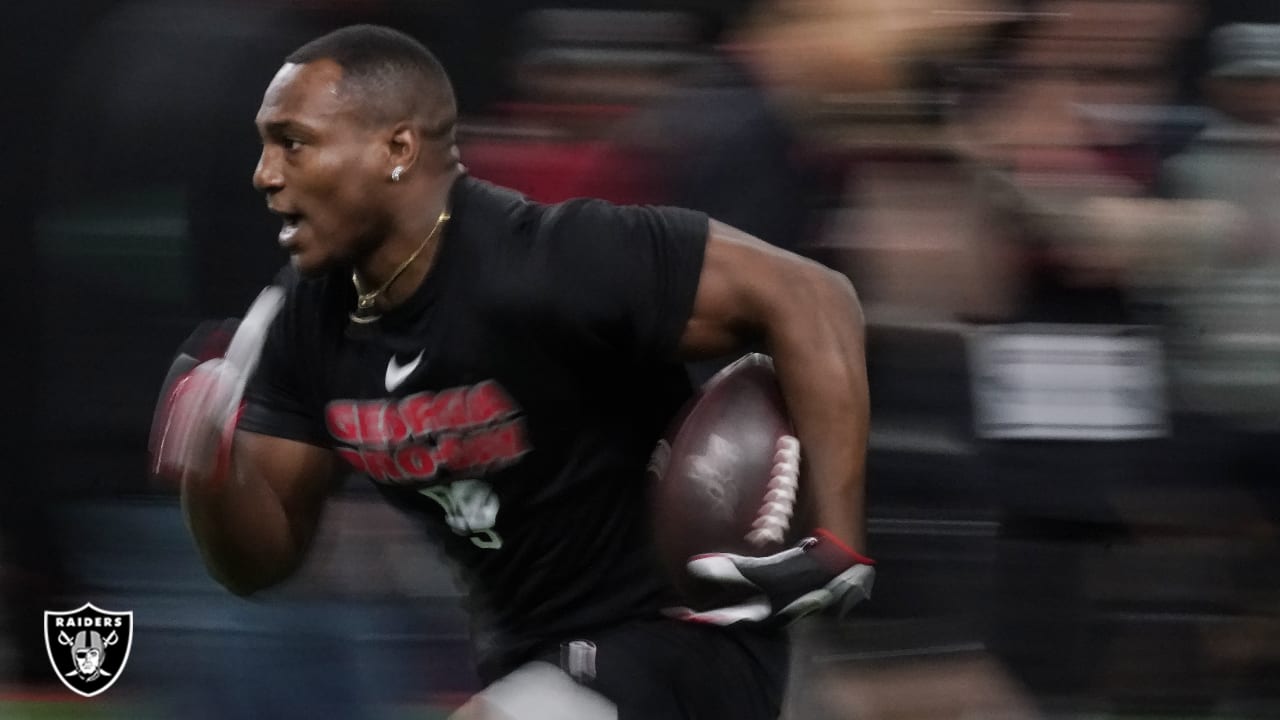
(209, 340)
(201, 398)
(819, 572)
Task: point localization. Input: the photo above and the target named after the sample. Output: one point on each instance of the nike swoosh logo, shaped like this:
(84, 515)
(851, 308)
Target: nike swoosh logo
(397, 373)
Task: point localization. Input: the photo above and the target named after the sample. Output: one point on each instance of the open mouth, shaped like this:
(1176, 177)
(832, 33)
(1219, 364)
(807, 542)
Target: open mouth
(289, 228)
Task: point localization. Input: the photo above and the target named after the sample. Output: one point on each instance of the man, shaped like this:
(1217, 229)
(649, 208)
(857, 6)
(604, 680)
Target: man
(502, 369)
(1228, 286)
(1221, 283)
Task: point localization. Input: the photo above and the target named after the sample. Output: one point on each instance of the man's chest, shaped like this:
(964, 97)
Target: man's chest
(440, 409)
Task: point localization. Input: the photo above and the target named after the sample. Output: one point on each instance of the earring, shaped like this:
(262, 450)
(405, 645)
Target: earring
(396, 173)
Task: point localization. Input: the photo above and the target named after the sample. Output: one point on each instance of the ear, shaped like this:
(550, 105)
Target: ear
(403, 147)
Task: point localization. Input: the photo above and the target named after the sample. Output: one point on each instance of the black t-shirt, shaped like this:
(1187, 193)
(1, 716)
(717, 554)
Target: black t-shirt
(511, 403)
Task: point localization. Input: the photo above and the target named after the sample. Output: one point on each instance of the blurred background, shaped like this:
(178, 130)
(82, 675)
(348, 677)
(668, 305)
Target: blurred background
(1061, 215)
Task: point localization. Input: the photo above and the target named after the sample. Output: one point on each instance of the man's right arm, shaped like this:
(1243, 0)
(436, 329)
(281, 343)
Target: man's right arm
(254, 518)
(235, 432)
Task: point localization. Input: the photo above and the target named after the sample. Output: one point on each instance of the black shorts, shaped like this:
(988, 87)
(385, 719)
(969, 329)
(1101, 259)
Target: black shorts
(668, 669)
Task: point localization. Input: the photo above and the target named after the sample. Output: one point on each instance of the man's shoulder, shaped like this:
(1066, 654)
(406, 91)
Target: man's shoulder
(483, 201)
(514, 214)
(543, 225)
(577, 210)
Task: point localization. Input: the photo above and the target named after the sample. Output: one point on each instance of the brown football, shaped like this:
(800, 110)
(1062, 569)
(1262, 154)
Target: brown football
(726, 476)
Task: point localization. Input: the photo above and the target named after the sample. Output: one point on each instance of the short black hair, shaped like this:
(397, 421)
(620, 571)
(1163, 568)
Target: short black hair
(391, 76)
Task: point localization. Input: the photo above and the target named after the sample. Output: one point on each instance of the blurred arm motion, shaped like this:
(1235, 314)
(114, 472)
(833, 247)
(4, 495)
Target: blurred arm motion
(252, 501)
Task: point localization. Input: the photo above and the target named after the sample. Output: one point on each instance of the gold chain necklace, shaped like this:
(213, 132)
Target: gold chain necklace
(365, 301)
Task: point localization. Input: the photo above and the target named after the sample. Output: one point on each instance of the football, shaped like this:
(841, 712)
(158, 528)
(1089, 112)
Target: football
(726, 476)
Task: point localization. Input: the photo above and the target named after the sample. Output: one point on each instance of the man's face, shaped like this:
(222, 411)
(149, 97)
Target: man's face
(87, 660)
(322, 167)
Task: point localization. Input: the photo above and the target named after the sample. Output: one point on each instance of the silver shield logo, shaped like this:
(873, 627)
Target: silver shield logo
(88, 647)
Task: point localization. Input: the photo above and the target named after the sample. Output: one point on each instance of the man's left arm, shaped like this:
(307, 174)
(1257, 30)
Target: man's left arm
(811, 322)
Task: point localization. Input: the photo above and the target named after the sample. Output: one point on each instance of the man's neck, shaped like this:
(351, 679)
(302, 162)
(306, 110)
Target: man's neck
(421, 223)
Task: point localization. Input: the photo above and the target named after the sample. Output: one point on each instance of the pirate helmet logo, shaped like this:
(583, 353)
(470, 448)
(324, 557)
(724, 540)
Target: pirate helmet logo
(88, 646)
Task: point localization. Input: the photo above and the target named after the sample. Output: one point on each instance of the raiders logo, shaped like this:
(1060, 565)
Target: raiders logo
(88, 646)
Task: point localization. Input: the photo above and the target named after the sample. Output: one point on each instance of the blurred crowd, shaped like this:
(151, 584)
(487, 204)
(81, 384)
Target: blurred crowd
(1062, 217)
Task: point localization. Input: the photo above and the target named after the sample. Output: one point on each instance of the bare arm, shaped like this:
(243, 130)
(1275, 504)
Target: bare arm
(254, 525)
(811, 320)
